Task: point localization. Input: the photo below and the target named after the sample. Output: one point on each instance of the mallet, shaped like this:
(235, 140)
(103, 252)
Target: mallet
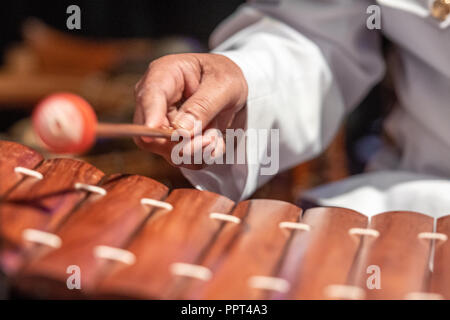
(67, 123)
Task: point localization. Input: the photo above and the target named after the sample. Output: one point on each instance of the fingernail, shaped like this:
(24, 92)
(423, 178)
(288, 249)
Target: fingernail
(184, 121)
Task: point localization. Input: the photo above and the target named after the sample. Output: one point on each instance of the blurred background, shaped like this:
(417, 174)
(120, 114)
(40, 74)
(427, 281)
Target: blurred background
(103, 61)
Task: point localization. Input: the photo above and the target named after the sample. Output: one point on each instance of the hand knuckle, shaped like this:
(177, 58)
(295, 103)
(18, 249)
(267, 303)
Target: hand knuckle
(201, 106)
(160, 61)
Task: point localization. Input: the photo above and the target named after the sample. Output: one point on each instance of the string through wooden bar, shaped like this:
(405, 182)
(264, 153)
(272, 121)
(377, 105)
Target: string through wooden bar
(29, 172)
(269, 283)
(423, 296)
(433, 236)
(294, 225)
(156, 203)
(116, 254)
(364, 232)
(191, 270)
(42, 237)
(224, 217)
(90, 188)
(340, 291)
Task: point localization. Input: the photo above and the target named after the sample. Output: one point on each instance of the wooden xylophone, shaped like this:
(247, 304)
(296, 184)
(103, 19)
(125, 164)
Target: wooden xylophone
(130, 238)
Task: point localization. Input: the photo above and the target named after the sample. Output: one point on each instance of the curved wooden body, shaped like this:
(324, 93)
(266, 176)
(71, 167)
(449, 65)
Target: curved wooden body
(133, 238)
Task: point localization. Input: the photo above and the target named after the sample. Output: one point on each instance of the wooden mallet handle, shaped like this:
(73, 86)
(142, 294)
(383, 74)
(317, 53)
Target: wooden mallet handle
(130, 130)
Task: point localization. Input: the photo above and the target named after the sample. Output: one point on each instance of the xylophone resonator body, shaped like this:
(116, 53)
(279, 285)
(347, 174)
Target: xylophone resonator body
(129, 237)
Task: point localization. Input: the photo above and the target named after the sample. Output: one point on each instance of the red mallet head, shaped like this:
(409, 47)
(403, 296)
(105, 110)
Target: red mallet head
(65, 122)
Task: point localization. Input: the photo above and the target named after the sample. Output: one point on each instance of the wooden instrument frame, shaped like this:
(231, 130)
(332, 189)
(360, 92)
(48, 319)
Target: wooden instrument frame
(133, 238)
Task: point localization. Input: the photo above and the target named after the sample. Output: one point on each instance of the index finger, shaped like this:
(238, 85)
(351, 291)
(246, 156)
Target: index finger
(159, 89)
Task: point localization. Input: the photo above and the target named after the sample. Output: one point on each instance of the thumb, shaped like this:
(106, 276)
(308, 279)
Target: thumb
(203, 106)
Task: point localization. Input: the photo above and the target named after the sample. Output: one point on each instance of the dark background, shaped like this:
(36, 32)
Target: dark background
(113, 19)
(159, 18)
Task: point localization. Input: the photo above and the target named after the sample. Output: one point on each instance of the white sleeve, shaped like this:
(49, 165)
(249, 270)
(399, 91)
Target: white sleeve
(306, 64)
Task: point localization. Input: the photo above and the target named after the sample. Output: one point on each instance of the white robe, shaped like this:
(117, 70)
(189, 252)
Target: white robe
(308, 63)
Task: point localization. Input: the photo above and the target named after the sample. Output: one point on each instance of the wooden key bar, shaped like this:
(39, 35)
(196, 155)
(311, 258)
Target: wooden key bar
(440, 279)
(92, 237)
(397, 252)
(12, 156)
(321, 257)
(68, 232)
(41, 204)
(244, 258)
(175, 238)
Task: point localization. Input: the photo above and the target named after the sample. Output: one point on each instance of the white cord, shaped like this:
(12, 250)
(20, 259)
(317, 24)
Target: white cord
(224, 217)
(116, 254)
(269, 283)
(364, 232)
(155, 203)
(423, 296)
(190, 270)
(90, 188)
(294, 225)
(339, 291)
(433, 236)
(42, 237)
(29, 172)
